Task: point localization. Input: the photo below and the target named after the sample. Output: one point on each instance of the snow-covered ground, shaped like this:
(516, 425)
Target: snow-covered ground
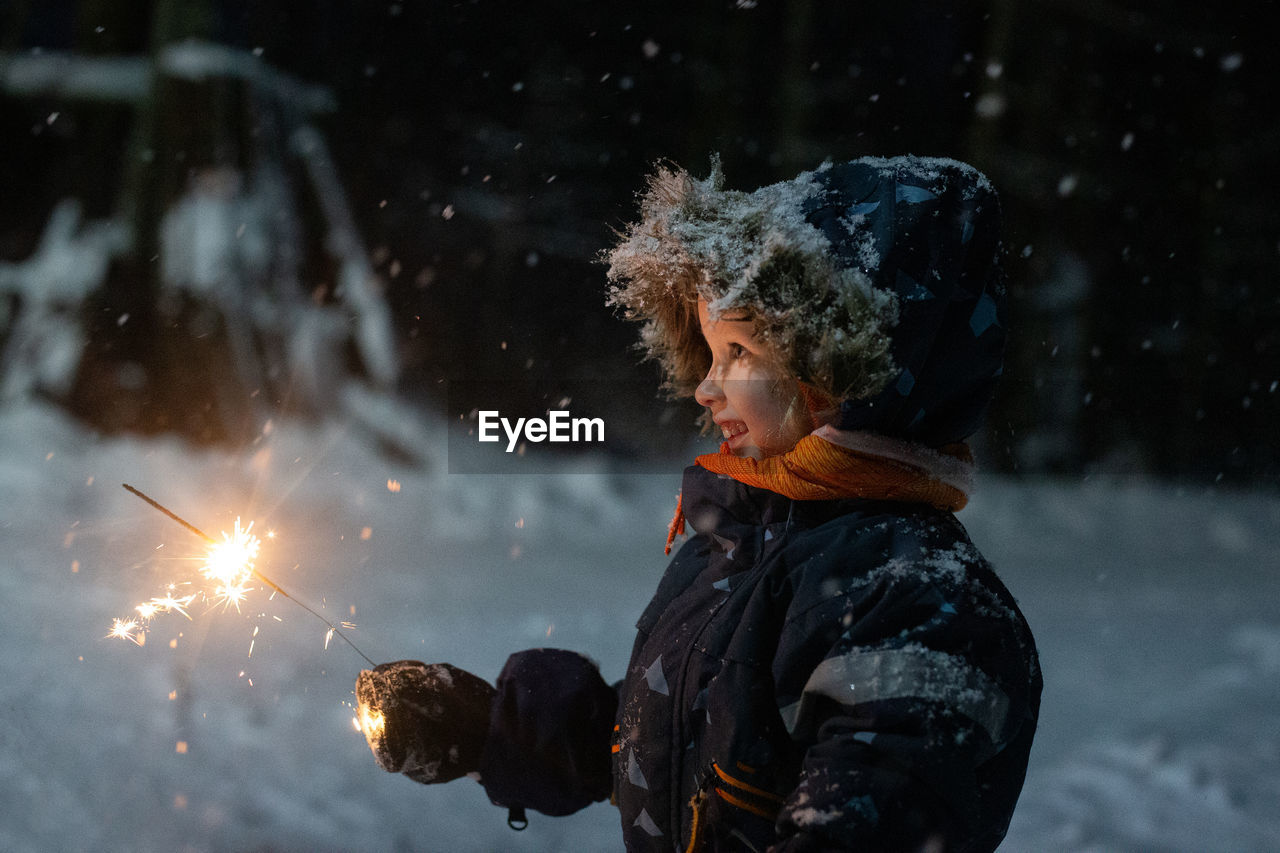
(1155, 610)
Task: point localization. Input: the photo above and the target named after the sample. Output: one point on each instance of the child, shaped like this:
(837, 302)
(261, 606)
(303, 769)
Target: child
(829, 663)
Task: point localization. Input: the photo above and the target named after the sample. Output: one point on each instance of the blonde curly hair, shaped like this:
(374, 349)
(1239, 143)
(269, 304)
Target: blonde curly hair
(753, 254)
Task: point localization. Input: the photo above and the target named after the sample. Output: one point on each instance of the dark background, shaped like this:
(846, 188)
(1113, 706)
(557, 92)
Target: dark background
(1135, 151)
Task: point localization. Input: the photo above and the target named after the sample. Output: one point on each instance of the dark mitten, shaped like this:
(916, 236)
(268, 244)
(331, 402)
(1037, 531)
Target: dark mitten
(427, 721)
(550, 733)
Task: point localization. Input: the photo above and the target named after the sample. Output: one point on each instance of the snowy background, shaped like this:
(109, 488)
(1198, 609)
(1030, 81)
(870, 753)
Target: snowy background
(208, 207)
(1154, 607)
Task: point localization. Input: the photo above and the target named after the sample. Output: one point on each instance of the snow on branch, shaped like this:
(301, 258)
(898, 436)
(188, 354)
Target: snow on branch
(45, 338)
(127, 79)
(198, 60)
(358, 285)
(123, 79)
(70, 261)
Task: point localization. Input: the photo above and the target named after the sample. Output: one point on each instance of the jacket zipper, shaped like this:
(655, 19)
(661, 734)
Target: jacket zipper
(698, 802)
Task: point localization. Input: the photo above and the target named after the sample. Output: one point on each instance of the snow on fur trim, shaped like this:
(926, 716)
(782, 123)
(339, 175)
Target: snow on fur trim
(753, 254)
(945, 468)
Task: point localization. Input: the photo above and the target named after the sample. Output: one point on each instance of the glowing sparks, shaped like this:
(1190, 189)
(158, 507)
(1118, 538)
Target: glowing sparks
(369, 722)
(169, 603)
(228, 569)
(229, 565)
(128, 629)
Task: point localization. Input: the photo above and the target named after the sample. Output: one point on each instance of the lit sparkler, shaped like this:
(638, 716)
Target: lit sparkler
(230, 570)
(128, 629)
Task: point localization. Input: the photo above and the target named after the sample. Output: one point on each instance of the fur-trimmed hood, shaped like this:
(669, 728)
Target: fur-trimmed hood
(877, 280)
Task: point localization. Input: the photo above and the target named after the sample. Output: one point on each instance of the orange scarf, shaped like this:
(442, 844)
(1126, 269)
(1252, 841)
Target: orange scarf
(818, 469)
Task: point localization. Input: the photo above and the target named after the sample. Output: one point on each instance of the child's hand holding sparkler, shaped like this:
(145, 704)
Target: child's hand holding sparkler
(540, 740)
(427, 721)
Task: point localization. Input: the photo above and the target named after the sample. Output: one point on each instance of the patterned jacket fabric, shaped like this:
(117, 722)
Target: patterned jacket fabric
(811, 675)
(927, 230)
(824, 675)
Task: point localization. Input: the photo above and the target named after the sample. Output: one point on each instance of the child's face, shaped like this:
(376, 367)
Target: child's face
(756, 405)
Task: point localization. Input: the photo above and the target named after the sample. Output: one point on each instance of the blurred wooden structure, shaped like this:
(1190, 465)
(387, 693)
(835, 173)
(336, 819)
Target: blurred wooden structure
(207, 267)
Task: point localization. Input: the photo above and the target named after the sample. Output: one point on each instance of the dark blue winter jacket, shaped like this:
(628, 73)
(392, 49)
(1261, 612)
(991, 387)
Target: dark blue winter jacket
(811, 675)
(817, 675)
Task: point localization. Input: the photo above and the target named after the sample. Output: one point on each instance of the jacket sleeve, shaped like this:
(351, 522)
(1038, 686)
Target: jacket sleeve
(550, 727)
(916, 719)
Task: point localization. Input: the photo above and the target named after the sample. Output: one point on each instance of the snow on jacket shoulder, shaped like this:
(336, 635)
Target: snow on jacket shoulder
(824, 675)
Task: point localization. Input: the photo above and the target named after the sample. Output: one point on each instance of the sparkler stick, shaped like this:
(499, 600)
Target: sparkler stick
(124, 629)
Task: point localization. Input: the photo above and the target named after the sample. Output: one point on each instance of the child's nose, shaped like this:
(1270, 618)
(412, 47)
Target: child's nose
(708, 391)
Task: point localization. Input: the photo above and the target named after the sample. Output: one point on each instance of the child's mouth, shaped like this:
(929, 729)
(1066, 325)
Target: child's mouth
(732, 429)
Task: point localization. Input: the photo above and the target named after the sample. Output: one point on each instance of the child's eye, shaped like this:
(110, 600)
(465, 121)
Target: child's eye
(737, 351)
